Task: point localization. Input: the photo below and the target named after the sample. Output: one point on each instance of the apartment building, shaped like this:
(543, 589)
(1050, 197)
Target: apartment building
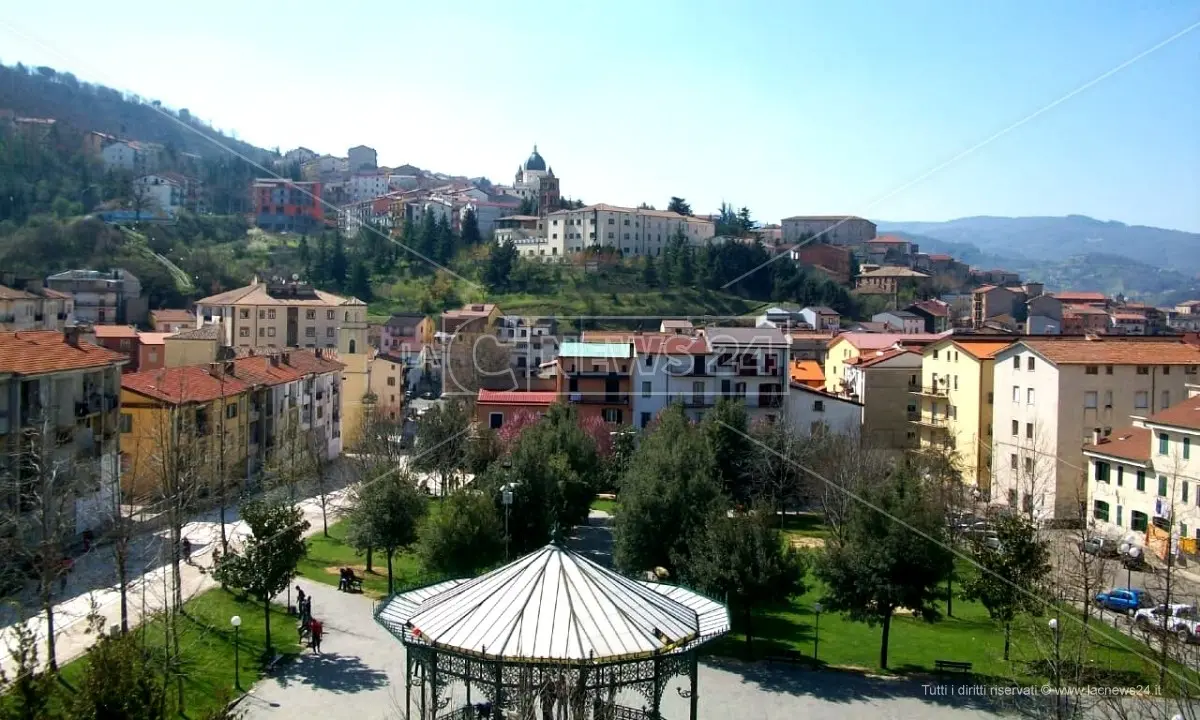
(36, 308)
(891, 279)
(666, 367)
(1051, 395)
(749, 364)
(63, 393)
(849, 345)
(831, 229)
(833, 260)
(882, 380)
(810, 410)
(530, 341)
(407, 329)
(171, 320)
(595, 377)
(121, 339)
(475, 318)
(387, 384)
(283, 205)
(494, 408)
(956, 395)
(528, 234)
(631, 231)
(1143, 480)
(100, 298)
(166, 191)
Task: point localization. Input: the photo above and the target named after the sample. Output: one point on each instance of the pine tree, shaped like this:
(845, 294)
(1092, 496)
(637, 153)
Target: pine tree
(360, 282)
(649, 273)
(501, 261)
(444, 241)
(337, 262)
(470, 229)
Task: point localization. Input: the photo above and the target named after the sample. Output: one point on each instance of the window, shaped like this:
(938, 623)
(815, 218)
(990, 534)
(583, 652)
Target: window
(645, 419)
(310, 314)
(1100, 510)
(1017, 362)
(270, 332)
(1166, 400)
(262, 332)
(612, 415)
(328, 314)
(1182, 529)
(1187, 448)
(1162, 485)
(1028, 466)
(1016, 394)
(1029, 363)
(1092, 370)
(1141, 400)
(126, 422)
(1027, 503)
(1108, 399)
(262, 314)
(1138, 521)
(1164, 443)
(1090, 400)
(1120, 475)
(1119, 509)
(935, 354)
(1028, 431)
(244, 313)
(1108, 369)
(818, 406)
(1102, 470)
(1141, 481)
(495, 420)
(646, 388)
(1183, 491)
(1029, 396)
(1143, 370)
(1012, 497)
(611, 221)
(310, 332)
(244, 332)
(1016, 428)
(1167, 371)
(329, 332)
(649, 361)
(231, 411)
(955, 382)
(270, 314)
(391, 381)
(1012, 461)
(991, 398)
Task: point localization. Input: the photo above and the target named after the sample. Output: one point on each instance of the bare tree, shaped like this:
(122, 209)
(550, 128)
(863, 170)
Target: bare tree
(317, 449)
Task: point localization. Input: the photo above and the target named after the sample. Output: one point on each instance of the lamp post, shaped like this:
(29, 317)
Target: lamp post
(1057, 669)
(817, 633)
(236, 622)
(506, 497)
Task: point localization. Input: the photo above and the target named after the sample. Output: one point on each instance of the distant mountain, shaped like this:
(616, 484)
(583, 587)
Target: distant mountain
(45, 92)
(1035, 240)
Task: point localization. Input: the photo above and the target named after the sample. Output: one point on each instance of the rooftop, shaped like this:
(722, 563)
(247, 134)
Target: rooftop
(824, 217)
(475, 310)
(888, 240)
(615, 350)
(47, 351)
(1086, 297)
(1130, 443)
(807, 370)
(878, 341)
(106, 332)
(878, 357)
(516, 397)
(173, 315)
(894, 271)
(207, 331)
(1114, 351)
(653, 343)
(1185, 414)
(153, 338)
(744, 337)
(189, 384)
(260, 293)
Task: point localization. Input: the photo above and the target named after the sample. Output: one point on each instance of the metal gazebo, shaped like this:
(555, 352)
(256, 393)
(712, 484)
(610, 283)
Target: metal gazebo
(550, 636)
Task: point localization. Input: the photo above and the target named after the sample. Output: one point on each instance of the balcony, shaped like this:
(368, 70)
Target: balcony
(696, 401)
(600, 398)
(932, 421)
(928, 390)
(596, 373)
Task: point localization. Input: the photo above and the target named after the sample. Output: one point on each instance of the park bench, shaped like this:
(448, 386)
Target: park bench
(789, 656)
(355, 582)
(951, 666)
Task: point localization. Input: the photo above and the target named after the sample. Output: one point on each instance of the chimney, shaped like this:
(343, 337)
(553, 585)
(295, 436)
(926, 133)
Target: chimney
(285, 358)
(214, 369)
(71, 335)
(230, 368)
(1096, 436)
(274, 360)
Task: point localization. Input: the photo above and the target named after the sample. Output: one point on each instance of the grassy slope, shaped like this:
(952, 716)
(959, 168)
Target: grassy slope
(207, 644)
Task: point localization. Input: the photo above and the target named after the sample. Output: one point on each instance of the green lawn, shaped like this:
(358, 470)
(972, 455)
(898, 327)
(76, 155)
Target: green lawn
(207, 643)
(804, 525)
(327, 554)
(605, 505)
(969, 636)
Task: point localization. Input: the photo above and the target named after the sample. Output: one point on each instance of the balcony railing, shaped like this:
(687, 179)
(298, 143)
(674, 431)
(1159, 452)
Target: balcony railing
(932, 421)
(696, 401)
(928, 390)
(599, 398)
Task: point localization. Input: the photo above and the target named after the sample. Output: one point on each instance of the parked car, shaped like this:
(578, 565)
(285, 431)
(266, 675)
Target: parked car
(1123, 600)
(1181, 619)
(1099, 546)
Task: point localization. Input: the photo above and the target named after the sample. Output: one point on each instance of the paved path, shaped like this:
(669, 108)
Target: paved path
(93, 581)
(360, 675)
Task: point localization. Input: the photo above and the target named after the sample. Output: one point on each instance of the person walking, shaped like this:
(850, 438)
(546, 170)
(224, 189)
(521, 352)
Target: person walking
(300, 602)
(187, 551)
(316, 631)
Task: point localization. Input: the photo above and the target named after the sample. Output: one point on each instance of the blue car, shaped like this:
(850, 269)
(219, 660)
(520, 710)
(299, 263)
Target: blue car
(1123, 600)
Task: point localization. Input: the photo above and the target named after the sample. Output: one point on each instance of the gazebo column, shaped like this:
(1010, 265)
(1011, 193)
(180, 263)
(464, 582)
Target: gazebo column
(434, 700)
(498, 700)
(424, 688)
(408, 668)
(656, 703)
(694, 672)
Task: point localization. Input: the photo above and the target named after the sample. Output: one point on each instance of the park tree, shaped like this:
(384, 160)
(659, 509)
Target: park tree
(744, 558)
(1011, 577)
(445, 244)
(384, 515)
(266, 563)
(360, 282)
(502, 258)
(726, 430)
(649, 272)
(442, 436)
(776, 476)
(679, 205)
(338, 264)
(891, 554)
(464, 536)
(120, 681)
(470, 229)
(669, 492)
(30, 692)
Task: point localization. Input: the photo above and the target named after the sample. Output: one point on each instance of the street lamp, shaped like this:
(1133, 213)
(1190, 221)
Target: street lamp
(817, 633)
(506, 498)
(1057, 644)
(236, 622)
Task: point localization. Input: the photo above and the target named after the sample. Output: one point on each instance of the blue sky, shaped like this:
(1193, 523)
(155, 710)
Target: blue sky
(788, 107)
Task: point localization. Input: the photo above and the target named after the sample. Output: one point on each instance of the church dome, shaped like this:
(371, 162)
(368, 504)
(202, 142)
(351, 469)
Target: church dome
(535, 161)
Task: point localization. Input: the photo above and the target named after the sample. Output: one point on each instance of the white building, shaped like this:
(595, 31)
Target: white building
(366, 186)
(166, 191)
(810, 409)
(361, 157)
(1052, 394)
(530, 341)
(831, 229)
(129, 155)
(632, 231)
(1143, 480)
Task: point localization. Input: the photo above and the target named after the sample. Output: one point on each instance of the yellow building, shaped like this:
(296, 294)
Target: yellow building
(956, 397)
(853, 344)
(197, 346)
(187, 425)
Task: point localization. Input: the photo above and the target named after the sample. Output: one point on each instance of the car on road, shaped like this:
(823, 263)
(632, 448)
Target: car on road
(1123, 600)
(1099, 546)
(1181, 620)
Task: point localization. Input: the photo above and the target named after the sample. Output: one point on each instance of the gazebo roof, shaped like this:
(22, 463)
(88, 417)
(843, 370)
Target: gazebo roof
(554, 605)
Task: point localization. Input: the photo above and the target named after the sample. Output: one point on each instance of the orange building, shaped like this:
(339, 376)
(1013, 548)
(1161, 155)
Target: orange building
(595, 378)
(494, 408)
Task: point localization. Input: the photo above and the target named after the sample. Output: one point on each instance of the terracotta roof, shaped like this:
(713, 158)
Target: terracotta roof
(888, 240)
(153, 338)
(116, 331)
(879, 356)
(1084, 310)
(1185, 414)
(173, 315)
(1084, 297)
(935, 308)
(258, 370)
(54, 294)
(1129, 443)
(982, 348)
(7, 293)
(807, 370)
(878, 341)
(516, 397)
(941, 258)
(307, 361)
(893, 271)
(256, 294)
(822, 393)
(1129, 316)
(47, 351)
(474, 310)
(192, 383)
(1115, 351)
